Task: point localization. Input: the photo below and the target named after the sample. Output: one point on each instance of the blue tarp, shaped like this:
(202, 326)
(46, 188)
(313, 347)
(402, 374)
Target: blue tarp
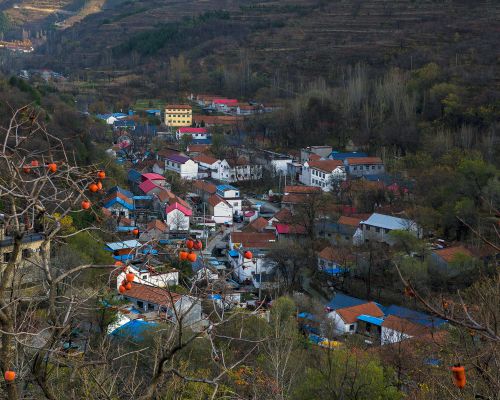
(233, 253)
(215, 297)
(371, 320)
(134, 329)
(125, 228)
(333, 271)
(127, 244)
(119, 201)
(124, 257)
(142, 197)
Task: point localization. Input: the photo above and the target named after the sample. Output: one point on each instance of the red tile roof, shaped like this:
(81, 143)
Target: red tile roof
(284, 215)
(216, 199)
(153, 295)
(157, 224)
(217, 119)
(205, 159)
(188, 129)
(253, 240)
(165, 195)
(314, 157)
(364, 160)
(151, 176)
(350, 314)
(147, 186)
(330, 254)
(205, 186)
(325, 165)
(404, 326)
(350, 221)
(177, 206)
(257, 225)
(295, 198)
(302, 189)
(448, 254)
(285, 229)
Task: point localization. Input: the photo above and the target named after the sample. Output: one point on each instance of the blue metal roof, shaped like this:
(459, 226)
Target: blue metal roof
(416, 317)
(335, 155)
(342, 300)
(125, 228)
(225, 187)
(134, 175)
(333, 271)
(120, 190)
(119, 201)
(143, 197)
(127, 244)
(371, 320)
(134, 329)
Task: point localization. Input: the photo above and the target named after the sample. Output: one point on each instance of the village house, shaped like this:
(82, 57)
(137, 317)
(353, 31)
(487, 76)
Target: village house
(345, 320)
(446, 257)
(178, 217)
(225, 121)
(290, 231)
(204, 189)
(340, 232)
(323, 173)
(378, 226)
(224, 105)
(155, 230)
(236, 170)
(320, 151)
(361, 166)
(124, 250)
(259, 224)
(247, 109)
(336, 155)
(171, 306)
(251, 271)
(194, 150)
(232, 196)
(182, 165)
(283, 216)
(220, 210)
(207, 163)
(396, 329)
(296, 196)
(195, 133)
(31, 243)
(119, 204)
(178, 115)
(333, 260)
(276, 163)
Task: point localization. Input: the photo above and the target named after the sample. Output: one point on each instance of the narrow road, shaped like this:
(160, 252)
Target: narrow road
(267, 204)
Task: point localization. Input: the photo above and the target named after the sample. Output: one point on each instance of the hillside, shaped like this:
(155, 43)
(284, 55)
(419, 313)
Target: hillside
(279, 42)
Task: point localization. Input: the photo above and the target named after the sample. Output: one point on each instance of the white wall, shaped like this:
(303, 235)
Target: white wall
(281, 165)
(189, 170)
(339, 325)
(176, 217)
(117, 208)
(222, 213)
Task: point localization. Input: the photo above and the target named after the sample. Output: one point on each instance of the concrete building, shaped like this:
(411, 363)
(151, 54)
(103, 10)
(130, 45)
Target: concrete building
(178, 115)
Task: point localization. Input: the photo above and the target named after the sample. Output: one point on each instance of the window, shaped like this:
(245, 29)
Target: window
(377, 230)
(355, 168)
(361, 168)
(144, 277)
(373, 166)
(6, 257)
(351, 328)
(151, 306)
(27, 253)
(379, 167)
(140, 304)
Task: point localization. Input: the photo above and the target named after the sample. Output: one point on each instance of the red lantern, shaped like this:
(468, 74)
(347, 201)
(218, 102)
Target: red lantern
(101, 175)
(191, 257)
(85, 204)
(183, 255)
(99, 185)
(122, 289)
(34, 163)
(52, 167)
(26, 169)
(130, 277)
(128, 286)
(458, 376)
(248, 255)
(135, 231)
(189, 244)
(198, 245)
(93, 187)
(9, 376)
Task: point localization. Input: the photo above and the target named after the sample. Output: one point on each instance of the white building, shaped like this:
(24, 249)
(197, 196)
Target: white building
(220, 209)
(323, 173)
(195, 133)
(345, 320)
(378, 226)
(395, 329)
(182, 165)
(237, 170)
(178, 217)
(232, 196)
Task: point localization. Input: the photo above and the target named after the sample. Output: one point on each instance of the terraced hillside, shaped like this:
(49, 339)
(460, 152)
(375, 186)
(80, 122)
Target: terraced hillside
(278, 41)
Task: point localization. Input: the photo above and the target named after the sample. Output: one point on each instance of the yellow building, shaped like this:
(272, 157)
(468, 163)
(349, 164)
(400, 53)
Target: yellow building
(178, 115)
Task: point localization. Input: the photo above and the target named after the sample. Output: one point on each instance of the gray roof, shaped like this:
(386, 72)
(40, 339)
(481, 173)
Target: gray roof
(389, 222)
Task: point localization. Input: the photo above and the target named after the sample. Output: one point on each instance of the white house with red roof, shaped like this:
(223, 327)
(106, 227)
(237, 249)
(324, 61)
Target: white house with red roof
(323, 173)
(178, 217)
(195, 133)
(345, 320)
(224, 105)
(220, 210)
